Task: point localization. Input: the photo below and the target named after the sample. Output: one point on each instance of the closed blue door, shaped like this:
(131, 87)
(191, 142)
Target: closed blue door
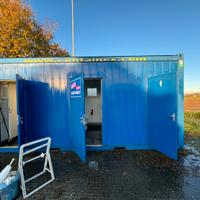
(21, 108)
(77, 115)
(162, 112)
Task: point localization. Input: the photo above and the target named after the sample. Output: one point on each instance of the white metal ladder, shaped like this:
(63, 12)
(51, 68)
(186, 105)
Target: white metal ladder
(26, 149)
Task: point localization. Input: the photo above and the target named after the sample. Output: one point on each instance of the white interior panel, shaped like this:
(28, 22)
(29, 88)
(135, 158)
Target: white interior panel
(12, 110)
(8, 112)
(93, 104)
(4, 118)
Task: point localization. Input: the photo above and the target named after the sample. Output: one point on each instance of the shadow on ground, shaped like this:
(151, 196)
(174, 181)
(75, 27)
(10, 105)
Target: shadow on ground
(121, 175)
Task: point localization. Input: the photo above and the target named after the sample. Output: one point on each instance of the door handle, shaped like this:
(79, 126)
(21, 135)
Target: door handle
(20, 120)
(83, 120)
(173, 117)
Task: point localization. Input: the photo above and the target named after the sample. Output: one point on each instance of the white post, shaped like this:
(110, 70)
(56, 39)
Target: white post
(73, 50)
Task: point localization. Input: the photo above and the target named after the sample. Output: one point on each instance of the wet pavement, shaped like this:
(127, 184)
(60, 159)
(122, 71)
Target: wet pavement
(120, 175)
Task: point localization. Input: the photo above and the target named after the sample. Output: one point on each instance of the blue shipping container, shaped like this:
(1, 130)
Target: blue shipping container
(99, 103)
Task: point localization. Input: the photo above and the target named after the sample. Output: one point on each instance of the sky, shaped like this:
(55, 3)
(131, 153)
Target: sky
(129, 27)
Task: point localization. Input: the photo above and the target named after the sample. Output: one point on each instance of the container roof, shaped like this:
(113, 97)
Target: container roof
(93, 59)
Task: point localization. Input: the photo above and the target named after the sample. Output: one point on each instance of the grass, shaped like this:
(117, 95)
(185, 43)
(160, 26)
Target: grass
(192, 123)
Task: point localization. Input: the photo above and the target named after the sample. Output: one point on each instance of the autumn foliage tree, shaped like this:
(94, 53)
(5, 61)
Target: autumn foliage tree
(21, 35)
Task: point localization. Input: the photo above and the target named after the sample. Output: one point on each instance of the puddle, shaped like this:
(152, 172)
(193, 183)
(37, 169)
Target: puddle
(192, 159)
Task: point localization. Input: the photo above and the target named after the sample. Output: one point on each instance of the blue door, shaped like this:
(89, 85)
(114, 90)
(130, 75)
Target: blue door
(32, 108)
(77, 115)
(162, 112)
(21, 109)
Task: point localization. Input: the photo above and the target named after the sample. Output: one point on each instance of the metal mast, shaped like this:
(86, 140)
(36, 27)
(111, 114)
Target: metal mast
(73, 42)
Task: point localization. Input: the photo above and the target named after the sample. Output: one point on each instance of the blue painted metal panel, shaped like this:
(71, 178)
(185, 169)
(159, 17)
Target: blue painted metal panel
(9, 149)
(124, 90)
(21, 110)
(37, 106)
(162, 105)
(46, 115)
(77, 111)
(180, 107)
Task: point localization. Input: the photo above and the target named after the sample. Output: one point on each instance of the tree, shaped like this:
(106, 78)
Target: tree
(21, 35)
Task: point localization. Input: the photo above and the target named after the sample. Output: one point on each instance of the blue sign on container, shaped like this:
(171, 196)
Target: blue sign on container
(75, 88)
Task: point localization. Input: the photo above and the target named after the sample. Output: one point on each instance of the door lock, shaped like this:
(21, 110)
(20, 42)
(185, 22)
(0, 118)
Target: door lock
(173, 117)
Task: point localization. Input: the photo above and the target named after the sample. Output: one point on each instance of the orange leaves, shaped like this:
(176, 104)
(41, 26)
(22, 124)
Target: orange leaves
(21, 35)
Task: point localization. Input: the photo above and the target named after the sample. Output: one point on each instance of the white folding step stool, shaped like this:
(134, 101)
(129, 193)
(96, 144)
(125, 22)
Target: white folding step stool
(25, 149)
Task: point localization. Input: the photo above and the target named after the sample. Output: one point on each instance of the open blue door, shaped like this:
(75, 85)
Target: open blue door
(77, 115)
(32, 108)
(162, 112)
(21, 108)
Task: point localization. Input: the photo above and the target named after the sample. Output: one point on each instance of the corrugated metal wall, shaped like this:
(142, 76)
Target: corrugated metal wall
(124, 93)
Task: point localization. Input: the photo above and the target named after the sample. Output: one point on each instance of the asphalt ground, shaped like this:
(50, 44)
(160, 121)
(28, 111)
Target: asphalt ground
(120, 175)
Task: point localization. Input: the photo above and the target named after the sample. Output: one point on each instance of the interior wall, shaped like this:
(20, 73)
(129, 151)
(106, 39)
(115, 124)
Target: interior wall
(9, 110)
(12, 110)
(93, 102)
(4, 111)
